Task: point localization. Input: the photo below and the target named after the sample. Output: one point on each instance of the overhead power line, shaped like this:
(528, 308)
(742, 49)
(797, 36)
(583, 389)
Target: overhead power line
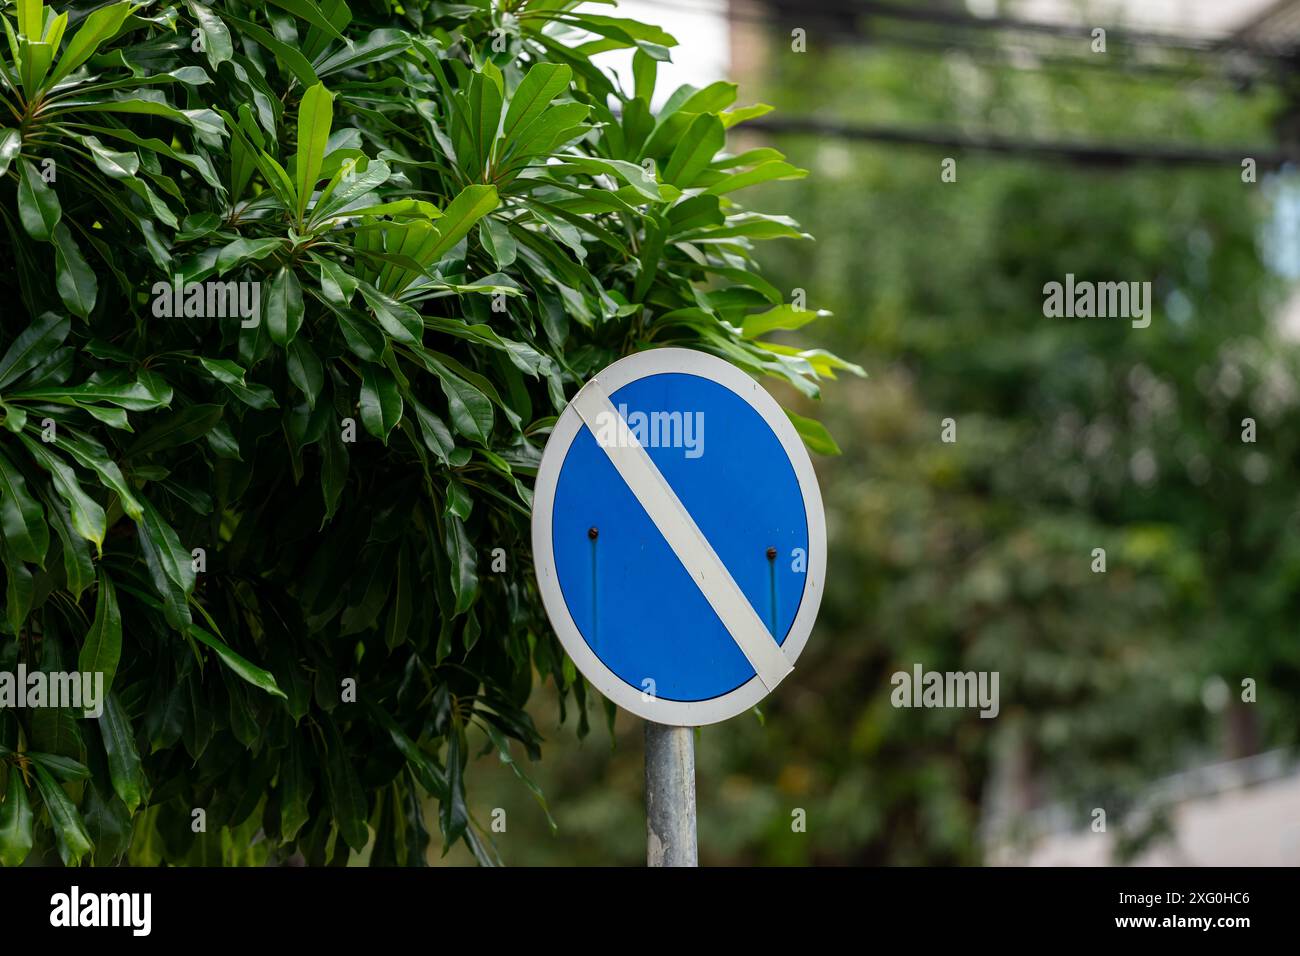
(860, 22)
(851, 21)
(785, 10)
(1112, 155)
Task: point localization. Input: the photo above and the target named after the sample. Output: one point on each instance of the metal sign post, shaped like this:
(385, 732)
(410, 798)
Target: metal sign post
(680, 549)
(670, 796)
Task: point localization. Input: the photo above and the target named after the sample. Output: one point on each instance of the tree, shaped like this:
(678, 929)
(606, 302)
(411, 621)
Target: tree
(293, 293)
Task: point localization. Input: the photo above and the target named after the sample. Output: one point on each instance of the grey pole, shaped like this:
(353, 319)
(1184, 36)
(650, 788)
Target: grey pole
(670, 796)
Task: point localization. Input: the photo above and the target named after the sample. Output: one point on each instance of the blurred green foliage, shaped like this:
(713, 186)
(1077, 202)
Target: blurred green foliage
(1072, 434)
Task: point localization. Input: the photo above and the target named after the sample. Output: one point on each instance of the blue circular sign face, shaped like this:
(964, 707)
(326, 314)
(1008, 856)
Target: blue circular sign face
(678, 536)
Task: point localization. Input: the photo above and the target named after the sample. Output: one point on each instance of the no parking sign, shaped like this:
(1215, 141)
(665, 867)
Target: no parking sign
(679, 537)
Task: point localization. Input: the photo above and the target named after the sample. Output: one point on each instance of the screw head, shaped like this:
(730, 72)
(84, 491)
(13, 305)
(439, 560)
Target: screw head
(771, 554)
(592, 533)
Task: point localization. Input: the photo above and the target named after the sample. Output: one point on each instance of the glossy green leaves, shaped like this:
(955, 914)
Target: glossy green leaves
(287, 522)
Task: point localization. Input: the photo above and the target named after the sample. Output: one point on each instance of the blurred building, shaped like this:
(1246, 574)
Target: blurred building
(1240, 813)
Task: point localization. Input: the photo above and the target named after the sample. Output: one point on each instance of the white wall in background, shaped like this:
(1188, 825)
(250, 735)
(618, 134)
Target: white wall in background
(1256, 826)
(1210, 17)
(703, 36)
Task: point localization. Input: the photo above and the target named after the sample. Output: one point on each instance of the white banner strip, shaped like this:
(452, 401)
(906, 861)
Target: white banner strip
(682, 534)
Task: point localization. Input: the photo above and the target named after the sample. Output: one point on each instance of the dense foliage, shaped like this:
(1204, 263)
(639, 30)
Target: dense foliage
(296, 546)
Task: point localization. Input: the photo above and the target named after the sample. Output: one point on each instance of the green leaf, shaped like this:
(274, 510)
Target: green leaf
(142, 395)
(112, 417)
(73, 277)
(399, 320)
(31, 18)
(78, 568)
(452, 812)
(60, 767)
(123, 758)
(780, 317)
(436, 240)
(377, 46)
(541, 84)
(87, 516)
(713, 98)
(33, 345)
(631, 173)
(471, 410)
(308, 10)
(381, 401)
(38, 206)
(109, 824)
(150, 103)
(69, 831)
(437, 437)
(337, 285)
(221, 440)
(732, 117)
(216, 37)
(284, 307)
(334, 472)
(350, 190)
(346, 798)
(644, 74)
(259, 678)
(295, 789)
(485, 115)
(11, 144)
(188, 424)
(16, 820)
(98, 27)
(305, 369)
(426, 770)
(495, 237)
(37, 58)
(22, 518)
(88, 453)
(464, 563)
(401, 608)
(224, 370)
(503, 752)
(469, 206)
(19, 591)
(623, 32)
(315, 116)
(459, 502)
(547, 132)
(170, 567)
(103, 647)
(15, 417)
(244, 250)
(750, 280)
(762, 173)
(289, 55)
(703, 139)
(814, 434)
(111, 162)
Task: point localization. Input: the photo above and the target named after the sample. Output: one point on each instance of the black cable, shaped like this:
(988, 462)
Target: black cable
(1078, 152)
(778, 13)
(1108, 155)
(1125, 36)
(1001, 57)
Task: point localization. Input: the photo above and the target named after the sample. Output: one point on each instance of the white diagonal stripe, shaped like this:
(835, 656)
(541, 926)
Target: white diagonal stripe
(682, 534)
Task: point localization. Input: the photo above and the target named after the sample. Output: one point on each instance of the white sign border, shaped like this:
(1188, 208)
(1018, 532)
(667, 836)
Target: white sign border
(630, 369)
